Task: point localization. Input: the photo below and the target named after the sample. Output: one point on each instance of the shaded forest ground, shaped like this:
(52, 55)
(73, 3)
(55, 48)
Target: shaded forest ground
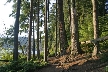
(79, 63)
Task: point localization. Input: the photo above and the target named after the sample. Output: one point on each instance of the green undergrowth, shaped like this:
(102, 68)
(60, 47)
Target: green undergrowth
(23, 66)
(104, 57)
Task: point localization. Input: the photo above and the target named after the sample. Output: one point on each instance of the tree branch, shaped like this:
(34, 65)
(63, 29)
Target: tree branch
(95, 40)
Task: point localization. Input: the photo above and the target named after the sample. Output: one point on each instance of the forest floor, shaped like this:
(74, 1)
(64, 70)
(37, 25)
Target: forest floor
(79, 63)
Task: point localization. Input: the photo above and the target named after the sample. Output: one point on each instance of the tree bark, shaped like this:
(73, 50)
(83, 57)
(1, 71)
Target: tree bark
(46, 34)
(63, 39)
(73, 29)
(16, 31)
(95, 25)
(38, 51)
(30, 32)
(75, 45)
(56, 31)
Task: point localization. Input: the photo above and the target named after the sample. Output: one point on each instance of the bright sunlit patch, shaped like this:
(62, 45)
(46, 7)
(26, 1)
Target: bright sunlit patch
(5, 20)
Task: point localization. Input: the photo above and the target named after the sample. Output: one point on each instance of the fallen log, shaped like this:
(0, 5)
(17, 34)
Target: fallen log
(5, 60)
(95, 40)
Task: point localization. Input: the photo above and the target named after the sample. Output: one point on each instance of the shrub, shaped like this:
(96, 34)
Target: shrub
(23, 66)
(51, 53)
(6, 54)
(41, 55)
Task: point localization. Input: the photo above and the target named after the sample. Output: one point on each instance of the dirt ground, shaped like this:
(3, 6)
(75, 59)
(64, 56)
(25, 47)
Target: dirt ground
(80, 63)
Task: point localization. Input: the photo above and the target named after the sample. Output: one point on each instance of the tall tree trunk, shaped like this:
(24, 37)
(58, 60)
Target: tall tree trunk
(16, 31)
(63, 39)
(75, 45)
(95, 25)
(46, 33)
(48, 9)
(69, 7)
(38, 51)
(33, 39)
(30, 31)
(56, 31)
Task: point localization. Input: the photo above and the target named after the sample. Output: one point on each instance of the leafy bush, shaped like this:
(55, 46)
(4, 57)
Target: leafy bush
(28, 66)
(22, 57)
(22, 66)
(41, 55)
(104, 57)
(51, 53)
(87, 48)
(6, 54)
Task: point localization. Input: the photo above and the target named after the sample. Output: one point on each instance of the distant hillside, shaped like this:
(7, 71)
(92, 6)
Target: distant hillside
(8, 42)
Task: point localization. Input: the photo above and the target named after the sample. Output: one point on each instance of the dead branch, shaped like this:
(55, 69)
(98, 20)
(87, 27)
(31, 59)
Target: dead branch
(95, 40)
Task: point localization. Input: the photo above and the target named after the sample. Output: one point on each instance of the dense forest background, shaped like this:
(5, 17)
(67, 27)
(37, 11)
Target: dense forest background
(56, 28)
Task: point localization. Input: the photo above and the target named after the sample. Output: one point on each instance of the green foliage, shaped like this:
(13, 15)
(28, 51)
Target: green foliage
(10, 31)
(22, 57)
(41, 55)
(28, 66)
(87, 48)
(3, 63)
(84, 12)
(1, 42)
(104, 57)
(67, 20)
(40, 64)
(6, 54)
(106, 68)
(104, 45)
(5, 41)
(52, 27)
(103, 25)
(23, 66)
(51, 53)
